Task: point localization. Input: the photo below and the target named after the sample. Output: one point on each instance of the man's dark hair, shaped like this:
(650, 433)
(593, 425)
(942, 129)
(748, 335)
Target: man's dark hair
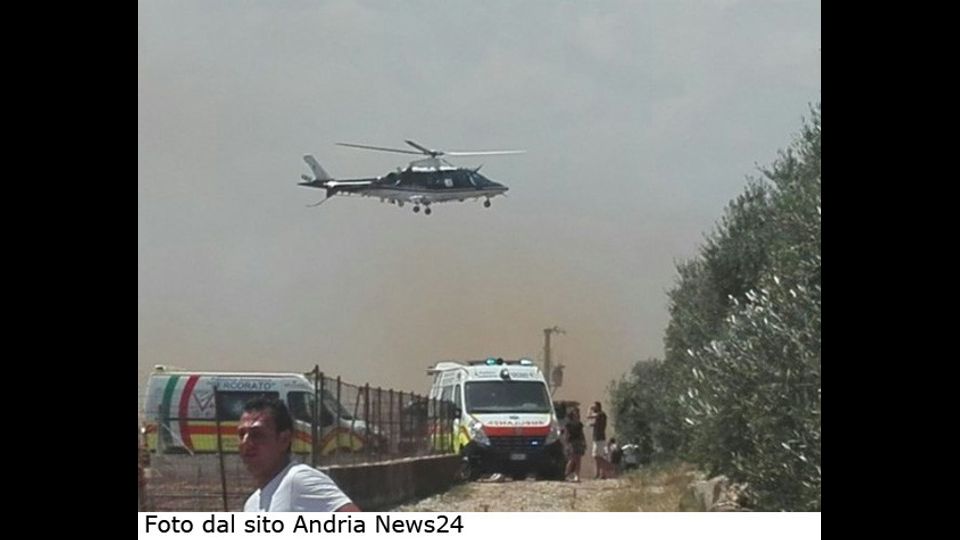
(597, 405)
(281, 416)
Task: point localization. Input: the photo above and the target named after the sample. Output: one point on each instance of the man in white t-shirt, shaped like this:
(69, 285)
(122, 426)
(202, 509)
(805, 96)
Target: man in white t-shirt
(266, 432)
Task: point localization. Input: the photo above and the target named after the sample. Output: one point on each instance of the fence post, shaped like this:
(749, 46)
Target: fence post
(319, 405)
(401, 430)
(443, 426)
(379, 424)
(366, 414)
(390, 422)
(314, 425)
(447, 419)
(336, 427)
(223, 472)
(433, 440)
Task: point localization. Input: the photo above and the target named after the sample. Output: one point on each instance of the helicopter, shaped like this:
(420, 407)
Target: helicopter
(422, 183)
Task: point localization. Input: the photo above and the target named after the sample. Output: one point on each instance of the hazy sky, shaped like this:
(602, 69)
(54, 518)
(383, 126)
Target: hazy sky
(640, 119)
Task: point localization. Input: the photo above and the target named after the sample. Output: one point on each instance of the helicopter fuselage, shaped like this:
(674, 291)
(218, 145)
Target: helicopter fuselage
(417, 187)
(431, 186)
(423, 182)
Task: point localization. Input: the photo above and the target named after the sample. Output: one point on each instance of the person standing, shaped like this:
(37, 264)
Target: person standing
(598, 421)
(266, 433)
(576, 444)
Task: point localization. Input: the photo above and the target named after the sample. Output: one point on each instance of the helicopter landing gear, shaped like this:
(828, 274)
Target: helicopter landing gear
(416, 209)
(486, 203)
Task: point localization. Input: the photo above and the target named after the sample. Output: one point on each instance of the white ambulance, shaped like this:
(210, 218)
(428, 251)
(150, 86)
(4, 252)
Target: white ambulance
(502, 417)
(180, 411)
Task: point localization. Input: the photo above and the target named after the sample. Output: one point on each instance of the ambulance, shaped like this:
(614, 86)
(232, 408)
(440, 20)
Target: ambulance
(181, 410)
(503, 419)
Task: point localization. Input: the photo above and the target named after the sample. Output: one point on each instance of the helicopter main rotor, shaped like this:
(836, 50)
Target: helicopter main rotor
(429, 152)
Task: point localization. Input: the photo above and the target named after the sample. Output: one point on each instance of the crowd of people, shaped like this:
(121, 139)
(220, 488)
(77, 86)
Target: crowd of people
(607, 454)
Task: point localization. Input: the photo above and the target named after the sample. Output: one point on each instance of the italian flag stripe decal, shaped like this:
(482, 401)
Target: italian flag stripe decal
(184, 410)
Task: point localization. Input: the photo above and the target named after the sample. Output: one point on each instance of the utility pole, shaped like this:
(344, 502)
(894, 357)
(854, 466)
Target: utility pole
(548, 372)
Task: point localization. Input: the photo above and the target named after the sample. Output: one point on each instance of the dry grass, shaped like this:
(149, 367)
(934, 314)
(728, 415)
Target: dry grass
(654, 488)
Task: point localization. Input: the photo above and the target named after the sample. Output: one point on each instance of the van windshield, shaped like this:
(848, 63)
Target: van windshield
(506, 396)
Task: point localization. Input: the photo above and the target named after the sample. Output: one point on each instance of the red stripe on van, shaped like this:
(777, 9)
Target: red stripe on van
(184, 410)
(226, 430)
(516, 431)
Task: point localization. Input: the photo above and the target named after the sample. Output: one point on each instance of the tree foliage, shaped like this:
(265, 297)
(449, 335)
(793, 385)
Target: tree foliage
(739, 388)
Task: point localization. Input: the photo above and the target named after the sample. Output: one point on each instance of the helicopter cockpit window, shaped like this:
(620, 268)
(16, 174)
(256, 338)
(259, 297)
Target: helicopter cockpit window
(479, 180)
(461, 179)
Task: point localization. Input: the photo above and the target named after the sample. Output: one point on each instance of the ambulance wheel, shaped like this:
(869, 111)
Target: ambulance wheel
(468, 472)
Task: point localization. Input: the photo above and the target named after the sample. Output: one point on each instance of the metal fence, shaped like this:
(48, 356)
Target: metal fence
(191, 464)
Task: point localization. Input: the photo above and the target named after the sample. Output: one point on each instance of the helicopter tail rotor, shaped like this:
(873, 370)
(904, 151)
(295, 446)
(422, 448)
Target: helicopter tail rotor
(331, 190)
(320, 180)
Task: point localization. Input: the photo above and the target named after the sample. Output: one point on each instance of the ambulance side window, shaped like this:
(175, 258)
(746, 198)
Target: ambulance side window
(447, 397)
(447, 394)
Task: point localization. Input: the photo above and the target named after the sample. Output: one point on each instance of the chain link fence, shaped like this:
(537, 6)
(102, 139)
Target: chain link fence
(187, 456)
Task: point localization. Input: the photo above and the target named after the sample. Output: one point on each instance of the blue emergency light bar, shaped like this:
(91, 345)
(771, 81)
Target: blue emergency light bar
(492, 361)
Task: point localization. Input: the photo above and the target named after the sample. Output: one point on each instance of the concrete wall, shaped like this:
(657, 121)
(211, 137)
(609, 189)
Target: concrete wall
(379, 486)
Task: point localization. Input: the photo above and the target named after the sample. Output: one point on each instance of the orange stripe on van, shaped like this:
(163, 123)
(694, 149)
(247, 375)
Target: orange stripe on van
(229, 429)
